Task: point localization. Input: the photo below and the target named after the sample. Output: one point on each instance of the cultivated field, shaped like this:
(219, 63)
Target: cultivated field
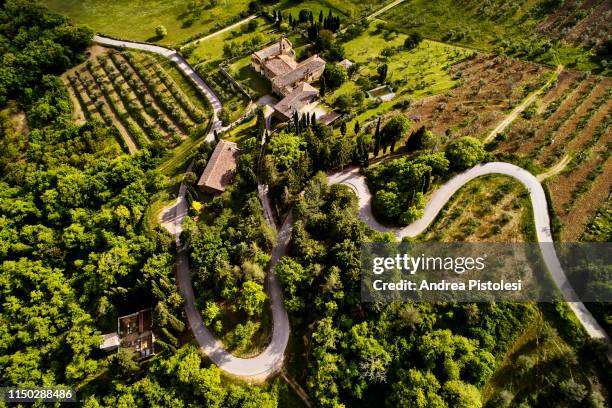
(570, 123)
(488, 209)
(485, 89)
(579, 23)
(133, 93)
(521, 28)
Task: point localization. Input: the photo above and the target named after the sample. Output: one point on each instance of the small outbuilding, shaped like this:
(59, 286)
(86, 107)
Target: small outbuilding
(345, 63)
(221, 168)
(329, 118)
(134, 331)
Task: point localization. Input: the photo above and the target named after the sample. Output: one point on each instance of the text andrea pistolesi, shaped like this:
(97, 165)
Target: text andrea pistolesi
(405, 263)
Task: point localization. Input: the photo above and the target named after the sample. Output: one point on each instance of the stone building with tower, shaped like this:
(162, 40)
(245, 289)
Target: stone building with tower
(290, 79)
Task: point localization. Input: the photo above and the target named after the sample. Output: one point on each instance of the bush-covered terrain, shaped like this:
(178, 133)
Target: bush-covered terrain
(572, 33)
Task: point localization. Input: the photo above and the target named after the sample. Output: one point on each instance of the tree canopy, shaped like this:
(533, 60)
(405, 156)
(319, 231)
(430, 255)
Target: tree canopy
(465, 152)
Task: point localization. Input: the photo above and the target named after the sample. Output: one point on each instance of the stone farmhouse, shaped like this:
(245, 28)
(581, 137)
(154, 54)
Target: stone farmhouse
(290, 79)
(220, 168)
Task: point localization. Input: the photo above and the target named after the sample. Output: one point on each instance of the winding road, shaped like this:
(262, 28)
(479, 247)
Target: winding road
(270, 361)
(442, 195)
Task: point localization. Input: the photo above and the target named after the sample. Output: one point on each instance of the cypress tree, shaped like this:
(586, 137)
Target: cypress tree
(343, 128)
(356, 128)
(377, 139)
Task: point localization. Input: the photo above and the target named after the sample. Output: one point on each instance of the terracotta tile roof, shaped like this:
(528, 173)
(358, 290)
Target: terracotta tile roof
(302, 70)
(221, 166)
(345, 63)
(300, 97)
(280, 65)
(273, 49)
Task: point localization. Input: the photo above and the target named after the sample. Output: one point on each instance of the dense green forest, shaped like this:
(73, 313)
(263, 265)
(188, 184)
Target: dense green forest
(229, 244)
(74, 250)
(414, 354)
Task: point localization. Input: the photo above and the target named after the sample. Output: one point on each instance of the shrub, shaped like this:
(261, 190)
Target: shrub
(334, 75)
(465, 152)
(161, 31)
(412, 41)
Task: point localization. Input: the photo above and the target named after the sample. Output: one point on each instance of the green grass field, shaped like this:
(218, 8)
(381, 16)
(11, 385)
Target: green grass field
(136, 20)
(348, 8)
(211, 50)
(415, 74)
(247, 76)
(509, 27)
(422, 64)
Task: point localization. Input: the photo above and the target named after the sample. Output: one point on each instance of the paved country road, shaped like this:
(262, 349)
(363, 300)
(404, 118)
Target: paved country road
(384, 9)
(440, 197)
(230, 27)
(270, 361)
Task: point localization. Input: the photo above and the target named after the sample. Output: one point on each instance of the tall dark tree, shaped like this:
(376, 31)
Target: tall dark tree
(296, 122)
(382, 72)
(343, 128)
(356, 127)
(394, 130)
(261, 121)
(363, 145)
(377, 139)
